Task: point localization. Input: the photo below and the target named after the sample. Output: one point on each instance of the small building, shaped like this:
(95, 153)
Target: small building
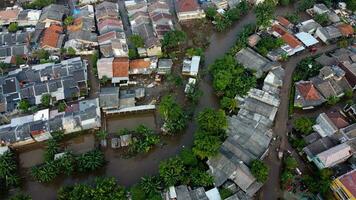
(253, 61)
(346, 30)
(333, 156)
(52, 39)
(28, 17)
(292, 44)
(316, 145)
(328, 34)
(308, 26)
(191, 67)
(220, 4)
(109, 98)
(320, 8)
(189, 9)
(116, 69)
(107, 25)
(307, 96)
(125, 140)
(327, 126)
(307, 39)
(164, 66)
(343, 186)
(9, 15)
(285, 22)
(143, 66)
(53, 14)
(253, 40)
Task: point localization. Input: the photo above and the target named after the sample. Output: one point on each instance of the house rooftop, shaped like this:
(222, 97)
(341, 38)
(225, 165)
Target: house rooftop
(187, 5)
(346, 29)
(291, 40)
(348, 180)
(307, 39)
(120, 67)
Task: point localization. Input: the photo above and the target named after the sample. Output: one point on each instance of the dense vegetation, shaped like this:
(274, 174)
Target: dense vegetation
(226, 20)
(265, 13)
(210, 134)
(102, 189)
(319, 182)
(143, 140)
(306, 69)
(304, 125)
(259, 170)
(287, 176)
(8, 172)
(267, 44)
(175, 119)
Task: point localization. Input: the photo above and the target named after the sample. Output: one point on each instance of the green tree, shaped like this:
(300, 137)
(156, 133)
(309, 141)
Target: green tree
(20, 196)
(264, 13)
(102, 134)
(137, 40)
(293, 18)
(90, 161)
(24, 105)
(212, 121)
(348, 94)
(205, 144)
(66, 163)
(143, 140)
(259, 170)
(306, 69)
(46, 100)
(303, 125)
(173, 114)
(8, 171)
(210, 13)
(71, 51)
(286, 178)
(13, 27)
(42, 54)
(62, 106)
(332, 100)
(351, 5)
(284, 2)
(303, 5)
(19, 60)
(228, 104)
(150, 185)
(322, 19)
(133, 53)
(51, 150)
(137, 193)
(201, 178)
(188, 157)
(45, 173)
(173, 39)
(171, 171)
(68, 20)
(290, 163)
(194, 52)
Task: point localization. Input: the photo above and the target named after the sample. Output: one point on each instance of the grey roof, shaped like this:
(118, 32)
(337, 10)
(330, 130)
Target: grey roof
(182, 193)
(198, 194)
(146, 31)
(330, 32)
(53, 12)
(109, 97)
(83, 35)
(311, 138)
(253, 61)
(319, 146)
(326, 60)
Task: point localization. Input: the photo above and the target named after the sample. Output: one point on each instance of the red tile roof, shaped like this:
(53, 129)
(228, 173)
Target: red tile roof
(338, 120)
(139, 64)
(107, 36)
(291, 40)
(120, 67)
(10, 14)
(109, 22)
(283, 21)
(308, 91)
(187, 5)
(51, 35)
(76, 26)
(346, 29)
(279, 29)
(349, 181)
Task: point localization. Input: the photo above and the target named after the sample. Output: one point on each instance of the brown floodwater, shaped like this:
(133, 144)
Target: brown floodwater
(129, 171)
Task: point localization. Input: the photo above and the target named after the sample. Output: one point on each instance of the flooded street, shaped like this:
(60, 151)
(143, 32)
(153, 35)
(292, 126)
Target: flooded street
(129, 171)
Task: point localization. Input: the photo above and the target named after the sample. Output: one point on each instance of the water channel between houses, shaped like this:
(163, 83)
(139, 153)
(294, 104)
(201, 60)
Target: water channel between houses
(128, 171)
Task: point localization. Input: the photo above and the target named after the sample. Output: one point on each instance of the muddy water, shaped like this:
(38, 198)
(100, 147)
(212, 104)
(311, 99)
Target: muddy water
(129, 171)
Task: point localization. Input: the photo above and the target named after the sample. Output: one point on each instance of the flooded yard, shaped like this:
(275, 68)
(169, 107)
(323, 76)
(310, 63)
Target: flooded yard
(130, 121)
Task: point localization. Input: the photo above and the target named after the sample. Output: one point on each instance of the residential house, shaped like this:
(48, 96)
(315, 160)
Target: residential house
(109, 98)
(274, 80)
(292, 45)
(348, 133)
(331, 81)
(107, 25)
(106, 10)
(189, 9)
(64, 80)
(113, 44)
(317, 145)
(184, 192)
(135, 6)
(343, 186)
(86, 2)
(152, 45)
(143, 66)
(189, 87)
(161, 17)
(14, 44)
(9, 15)
(284, 22)
(329, 124)
(191, 67)
(53, 14)
(164, 66)
(328, 34)
(320, 8)
(82, 41)
(82, 24)
(307, 39)
(232, 3)
(308, 26)
(350, 111)
(333, 156)
(28, 17)
(346, 30)
(253, 61)
(307, 96)
(116, 69)
(52, 38)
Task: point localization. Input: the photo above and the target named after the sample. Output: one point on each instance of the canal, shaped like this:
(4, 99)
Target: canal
(129, 171)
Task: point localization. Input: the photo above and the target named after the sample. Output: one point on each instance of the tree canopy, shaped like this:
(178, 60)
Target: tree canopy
(173, 39)
(13, 27)
(259, 170)
(137, 40)
(264, 13)
(173, 114)
(46, 100)
(304, 125)
(171, 171)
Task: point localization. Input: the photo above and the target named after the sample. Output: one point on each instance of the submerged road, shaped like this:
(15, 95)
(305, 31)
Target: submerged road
(129, 171)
